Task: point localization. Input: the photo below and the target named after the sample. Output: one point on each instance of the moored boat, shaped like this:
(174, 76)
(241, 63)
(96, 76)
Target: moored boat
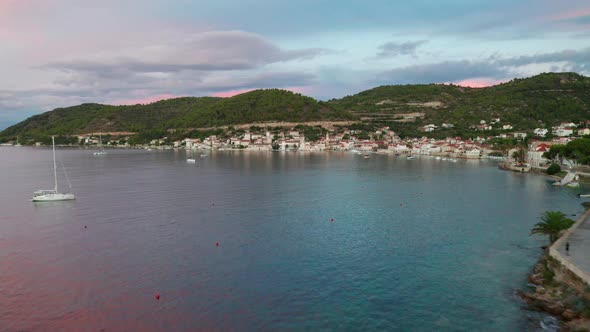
(53, 194)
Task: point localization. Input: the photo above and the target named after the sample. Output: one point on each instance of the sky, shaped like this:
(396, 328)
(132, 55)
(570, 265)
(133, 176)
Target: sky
(58, 53)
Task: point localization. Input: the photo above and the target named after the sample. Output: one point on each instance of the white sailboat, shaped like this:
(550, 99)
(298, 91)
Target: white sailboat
(52, 195)
(101, 151)
(17, 143)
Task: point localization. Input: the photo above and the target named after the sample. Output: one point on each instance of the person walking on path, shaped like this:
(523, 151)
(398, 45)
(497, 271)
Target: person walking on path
(567, 248)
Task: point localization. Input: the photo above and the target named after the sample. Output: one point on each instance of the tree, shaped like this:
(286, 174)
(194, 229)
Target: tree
(552, 223)
(555, 153)
(519, 155)
(553, 169)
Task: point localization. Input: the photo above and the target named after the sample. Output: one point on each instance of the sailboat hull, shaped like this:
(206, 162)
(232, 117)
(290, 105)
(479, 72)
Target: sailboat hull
(54, 197)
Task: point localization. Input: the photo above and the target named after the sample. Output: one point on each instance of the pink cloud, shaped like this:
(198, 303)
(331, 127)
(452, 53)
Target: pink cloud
(478, 82)
(231, 93)
(5, 5)
(145, 100)
(298, 89)
(568, 15)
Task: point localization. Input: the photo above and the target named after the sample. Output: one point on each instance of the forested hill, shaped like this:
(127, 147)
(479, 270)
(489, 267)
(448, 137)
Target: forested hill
(542, 100)
(179, 113)
(539, 101)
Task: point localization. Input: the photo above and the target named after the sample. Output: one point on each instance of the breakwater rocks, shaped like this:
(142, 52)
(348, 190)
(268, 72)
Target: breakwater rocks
(559, 293)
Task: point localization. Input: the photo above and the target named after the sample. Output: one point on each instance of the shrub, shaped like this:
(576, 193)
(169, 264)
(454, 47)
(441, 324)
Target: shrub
(553, 169)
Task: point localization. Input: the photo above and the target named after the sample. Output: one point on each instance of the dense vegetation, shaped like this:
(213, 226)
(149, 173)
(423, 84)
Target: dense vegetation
(180, 113)
(553, 169)
(540, 101)
(578, 150)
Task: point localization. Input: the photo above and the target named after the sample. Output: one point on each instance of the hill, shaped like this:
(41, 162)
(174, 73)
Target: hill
(178, 113)
(542, 100)
(539, 101)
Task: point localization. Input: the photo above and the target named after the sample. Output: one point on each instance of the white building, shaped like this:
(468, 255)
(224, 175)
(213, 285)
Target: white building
(540, 132)
(473, 153)
(428, 128)
(535, 155)
(562, 131)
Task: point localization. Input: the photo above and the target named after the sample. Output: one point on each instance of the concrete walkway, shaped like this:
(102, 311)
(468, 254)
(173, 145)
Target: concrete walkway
(578, 257)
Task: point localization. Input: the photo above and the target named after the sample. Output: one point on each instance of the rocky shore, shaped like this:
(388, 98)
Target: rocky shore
(560, 293)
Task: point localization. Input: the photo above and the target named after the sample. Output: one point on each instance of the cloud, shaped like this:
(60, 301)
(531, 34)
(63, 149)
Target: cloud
(570, 15)
(207, 51)
(145, 100)
(478, 82)
(392, 49)
(487, 71)
(448, 71)
(578, 59)
(148, 89)
(231, 93)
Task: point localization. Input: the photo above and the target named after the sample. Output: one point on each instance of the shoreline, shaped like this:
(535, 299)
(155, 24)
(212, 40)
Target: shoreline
(559, 291)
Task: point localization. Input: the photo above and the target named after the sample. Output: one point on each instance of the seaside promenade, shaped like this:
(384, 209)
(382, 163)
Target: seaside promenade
(577, 258)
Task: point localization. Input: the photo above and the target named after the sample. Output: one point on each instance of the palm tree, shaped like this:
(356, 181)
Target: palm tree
(552, 223)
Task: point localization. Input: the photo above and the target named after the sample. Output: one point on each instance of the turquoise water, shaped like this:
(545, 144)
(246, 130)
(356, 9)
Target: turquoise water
(414, 245)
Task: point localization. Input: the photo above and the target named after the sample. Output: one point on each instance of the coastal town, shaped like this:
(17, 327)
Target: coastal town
(384, 140)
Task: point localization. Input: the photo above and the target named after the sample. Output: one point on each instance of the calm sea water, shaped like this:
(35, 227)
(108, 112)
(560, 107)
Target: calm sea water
(414, 245)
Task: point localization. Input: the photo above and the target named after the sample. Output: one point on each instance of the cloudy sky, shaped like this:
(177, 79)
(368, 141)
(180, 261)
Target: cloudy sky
(56, 53)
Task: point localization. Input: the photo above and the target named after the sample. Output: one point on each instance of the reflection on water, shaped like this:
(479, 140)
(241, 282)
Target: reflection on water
(413, 245)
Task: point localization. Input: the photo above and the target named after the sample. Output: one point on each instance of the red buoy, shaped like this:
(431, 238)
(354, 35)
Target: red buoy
(331, 219)
(157, 296)
(85, 226)
(217, 244)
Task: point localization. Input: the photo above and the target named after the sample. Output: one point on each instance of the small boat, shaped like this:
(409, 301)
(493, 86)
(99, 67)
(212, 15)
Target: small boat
(203, 156)
(366, 156)
(410, 157)
(100, 152)
(583, 195)
(444, 159)
(438, 158)
(573, 184)
(191, 160)
(52, 195)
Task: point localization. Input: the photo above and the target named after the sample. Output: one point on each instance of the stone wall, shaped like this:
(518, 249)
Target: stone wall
(553, 252)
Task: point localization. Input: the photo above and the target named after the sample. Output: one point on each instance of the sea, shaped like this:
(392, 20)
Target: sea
(268, 241)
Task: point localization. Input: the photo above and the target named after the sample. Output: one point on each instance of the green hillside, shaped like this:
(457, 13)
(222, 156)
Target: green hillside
(542, 100)
(179, 113)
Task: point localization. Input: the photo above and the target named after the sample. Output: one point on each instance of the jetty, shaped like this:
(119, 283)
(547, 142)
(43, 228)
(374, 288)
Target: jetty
(567, 179)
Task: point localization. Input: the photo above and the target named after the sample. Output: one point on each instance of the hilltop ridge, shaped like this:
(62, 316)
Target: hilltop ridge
(539, 101)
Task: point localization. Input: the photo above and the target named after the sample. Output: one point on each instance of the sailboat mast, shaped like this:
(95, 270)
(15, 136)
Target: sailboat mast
(54, 164)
